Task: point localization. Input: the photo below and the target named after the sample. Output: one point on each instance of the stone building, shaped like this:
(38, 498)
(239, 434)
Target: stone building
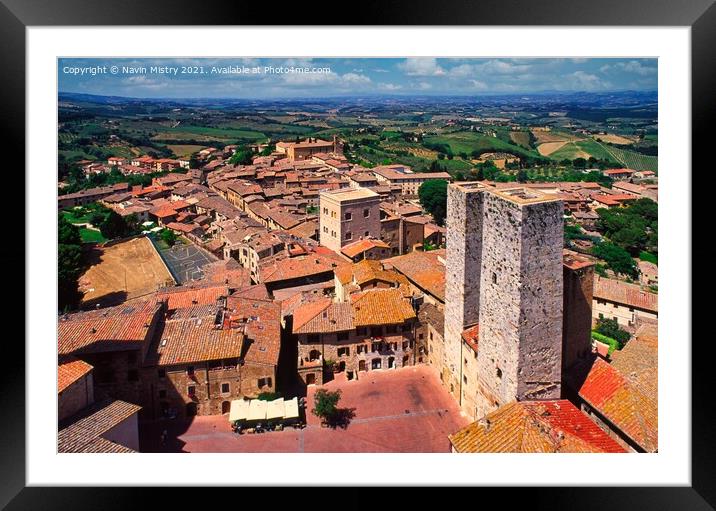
(85, 425)
(578, 277)
(114, 341)
(462, 274)
(520, 298)
(348, 215)
(505, 275)
(374, 330)
(629, 304)
(209, 355)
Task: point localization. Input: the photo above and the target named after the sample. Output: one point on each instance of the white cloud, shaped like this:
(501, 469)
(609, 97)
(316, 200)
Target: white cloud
(355, 79)
(633, 66)
(581, 80)
(420, 66)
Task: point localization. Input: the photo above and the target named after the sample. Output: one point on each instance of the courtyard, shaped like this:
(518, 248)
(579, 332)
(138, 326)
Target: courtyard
(399, 410)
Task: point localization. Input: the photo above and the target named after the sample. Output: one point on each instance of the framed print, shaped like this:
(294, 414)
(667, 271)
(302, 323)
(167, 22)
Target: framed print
(307, 252)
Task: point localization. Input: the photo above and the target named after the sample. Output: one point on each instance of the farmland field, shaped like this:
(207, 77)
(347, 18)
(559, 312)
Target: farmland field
(521, 138)
(633, 160)
(181, 151)
(549, 147)
(467, 141)
(613, 139)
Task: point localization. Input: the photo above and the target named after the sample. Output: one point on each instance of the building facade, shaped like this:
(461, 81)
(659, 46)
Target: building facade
(348, 215)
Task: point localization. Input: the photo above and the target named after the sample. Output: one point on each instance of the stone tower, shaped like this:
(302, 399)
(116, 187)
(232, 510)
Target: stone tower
(462, 279)
(578, 272)
(520, 304)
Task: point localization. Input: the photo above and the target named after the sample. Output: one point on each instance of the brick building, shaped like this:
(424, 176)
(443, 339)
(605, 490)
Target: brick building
(115, 341)
(374, 330)
(209, 355)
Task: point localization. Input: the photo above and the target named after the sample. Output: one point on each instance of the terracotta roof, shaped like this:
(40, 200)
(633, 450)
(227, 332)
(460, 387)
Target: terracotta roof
(381, 307)
(195, 334)
(262, 327)
(336, 317)
(424, 269)
(430, 314)
(279, 269)
(69, 371)
(83, 431)
(257, 291)
(471, 336)
(575, 261)
(305, 229)
(618, 171)
(305, 313)
(367, 271)
(228, 272)
(631, 407)
(534, 427)
(360, 246)
(626, 294)
(124, 327)
(189, 296)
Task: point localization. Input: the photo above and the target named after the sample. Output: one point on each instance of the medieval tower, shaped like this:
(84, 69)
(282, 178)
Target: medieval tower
(504, 253)
(462, 279)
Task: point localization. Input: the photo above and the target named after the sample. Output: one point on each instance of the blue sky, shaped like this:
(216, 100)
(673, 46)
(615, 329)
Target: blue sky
(260, 78)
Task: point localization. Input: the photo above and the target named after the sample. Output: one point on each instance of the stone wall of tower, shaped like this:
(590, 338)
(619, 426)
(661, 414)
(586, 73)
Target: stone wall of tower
(462, 279)
(577, 320)
(520, 314)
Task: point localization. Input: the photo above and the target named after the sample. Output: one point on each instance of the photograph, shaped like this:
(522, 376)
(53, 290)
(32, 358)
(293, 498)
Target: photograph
(357, 254)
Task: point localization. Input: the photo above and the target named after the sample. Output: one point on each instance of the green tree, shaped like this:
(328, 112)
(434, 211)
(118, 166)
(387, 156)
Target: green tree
(67, 234)
(522, 176)
(611, 328)
(169, 237)
(326, 404)
(69, 264)
(433, 198)
(242, 156)
(617, 259)
(113, 226)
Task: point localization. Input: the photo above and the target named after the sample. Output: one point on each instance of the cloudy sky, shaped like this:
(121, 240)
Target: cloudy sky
(300, 77)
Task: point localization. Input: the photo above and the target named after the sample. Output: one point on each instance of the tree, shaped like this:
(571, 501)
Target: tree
(611, 328)
(326, 404)
(242, 156)
(67, 234)
(522, 176)
(433, 198)
(169, 237)
(113, 226)
(617, 259)
(69, 264)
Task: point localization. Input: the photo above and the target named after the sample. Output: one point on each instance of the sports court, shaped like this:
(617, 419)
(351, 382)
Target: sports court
(186, 261)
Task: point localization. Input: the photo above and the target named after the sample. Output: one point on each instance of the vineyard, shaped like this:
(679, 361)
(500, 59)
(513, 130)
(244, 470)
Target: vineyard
(632, 160)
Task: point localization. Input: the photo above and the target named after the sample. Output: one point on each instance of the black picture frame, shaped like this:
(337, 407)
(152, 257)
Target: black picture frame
(700, 15)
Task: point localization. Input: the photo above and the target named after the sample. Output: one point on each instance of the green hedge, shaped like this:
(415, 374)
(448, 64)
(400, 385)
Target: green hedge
(613, 343)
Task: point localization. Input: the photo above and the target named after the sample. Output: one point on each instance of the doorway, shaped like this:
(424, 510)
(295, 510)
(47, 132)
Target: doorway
(225, 407)
(310, 379)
